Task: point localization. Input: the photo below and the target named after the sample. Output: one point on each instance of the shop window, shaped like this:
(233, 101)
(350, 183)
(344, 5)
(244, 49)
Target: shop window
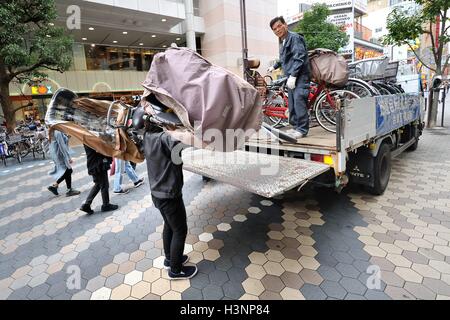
(117, 58)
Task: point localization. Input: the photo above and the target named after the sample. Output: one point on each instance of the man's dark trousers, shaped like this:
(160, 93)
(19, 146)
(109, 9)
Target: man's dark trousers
(175, 229)
(100, 184)
(298, 108)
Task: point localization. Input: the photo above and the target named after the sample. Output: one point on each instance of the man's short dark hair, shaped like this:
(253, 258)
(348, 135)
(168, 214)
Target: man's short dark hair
(275, 20)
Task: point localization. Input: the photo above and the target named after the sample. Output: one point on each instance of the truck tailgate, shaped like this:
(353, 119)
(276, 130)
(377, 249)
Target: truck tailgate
(263, 174)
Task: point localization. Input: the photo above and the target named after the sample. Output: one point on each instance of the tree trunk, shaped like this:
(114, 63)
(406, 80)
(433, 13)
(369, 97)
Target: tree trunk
(7, 106)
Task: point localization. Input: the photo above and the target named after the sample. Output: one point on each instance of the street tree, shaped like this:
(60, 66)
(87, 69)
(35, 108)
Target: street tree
(318, 32)
(405, 26)
(29, 45)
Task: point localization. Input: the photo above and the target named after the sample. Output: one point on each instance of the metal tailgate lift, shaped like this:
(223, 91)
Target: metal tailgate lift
(263, 174)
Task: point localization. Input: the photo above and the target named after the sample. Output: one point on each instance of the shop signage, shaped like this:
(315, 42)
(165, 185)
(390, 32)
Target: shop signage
(345, 20)
(41, 90)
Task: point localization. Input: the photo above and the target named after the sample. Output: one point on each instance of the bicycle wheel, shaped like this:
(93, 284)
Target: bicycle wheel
(14, 151)
(39, 148)
(23, 148)
(277, 100)
(360, 87)
(327, 107)
(383, 91)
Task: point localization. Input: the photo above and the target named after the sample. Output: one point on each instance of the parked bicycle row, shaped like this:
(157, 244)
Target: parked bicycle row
(23, 142)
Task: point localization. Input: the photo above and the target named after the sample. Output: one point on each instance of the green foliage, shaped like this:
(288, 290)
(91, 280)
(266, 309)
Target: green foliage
(405, 27)
(318, 32)
(28, 43)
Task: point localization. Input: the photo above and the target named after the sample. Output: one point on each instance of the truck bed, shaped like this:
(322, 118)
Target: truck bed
(317, 140)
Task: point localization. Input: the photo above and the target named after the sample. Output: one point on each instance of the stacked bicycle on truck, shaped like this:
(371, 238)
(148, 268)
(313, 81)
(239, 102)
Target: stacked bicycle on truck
(367, 78)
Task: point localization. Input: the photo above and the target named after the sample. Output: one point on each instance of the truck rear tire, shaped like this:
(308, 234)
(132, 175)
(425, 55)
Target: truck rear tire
(415, 134)
(381, 170)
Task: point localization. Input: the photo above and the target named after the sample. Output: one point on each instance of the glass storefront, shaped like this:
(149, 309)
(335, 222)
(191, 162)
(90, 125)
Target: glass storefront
(116, 58)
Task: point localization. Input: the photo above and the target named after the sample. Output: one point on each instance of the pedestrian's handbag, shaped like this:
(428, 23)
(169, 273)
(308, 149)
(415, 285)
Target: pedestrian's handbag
(328, 67)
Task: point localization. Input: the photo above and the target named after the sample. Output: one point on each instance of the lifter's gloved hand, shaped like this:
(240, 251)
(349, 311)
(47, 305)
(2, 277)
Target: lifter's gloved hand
(291, 82)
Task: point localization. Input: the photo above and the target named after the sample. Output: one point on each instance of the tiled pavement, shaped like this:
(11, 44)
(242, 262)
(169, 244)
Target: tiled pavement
(314, 245)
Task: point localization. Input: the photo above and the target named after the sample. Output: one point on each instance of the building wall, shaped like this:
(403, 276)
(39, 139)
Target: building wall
(173, 8)
(222, 42)
(374, 5)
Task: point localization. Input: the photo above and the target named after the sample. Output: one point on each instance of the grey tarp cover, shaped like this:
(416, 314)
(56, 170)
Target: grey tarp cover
(218, 109)
(85, 119)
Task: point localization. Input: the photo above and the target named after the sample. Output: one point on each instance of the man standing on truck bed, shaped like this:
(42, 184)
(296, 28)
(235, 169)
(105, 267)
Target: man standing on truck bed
(295, 64)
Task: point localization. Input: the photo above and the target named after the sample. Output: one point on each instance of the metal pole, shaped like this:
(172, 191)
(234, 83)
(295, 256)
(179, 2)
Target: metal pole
(443, 106)
(244, 37)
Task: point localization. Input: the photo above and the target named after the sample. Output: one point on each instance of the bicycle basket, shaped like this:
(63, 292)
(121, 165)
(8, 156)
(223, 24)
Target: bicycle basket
(391, 71)
(14, 138)
(369, 69)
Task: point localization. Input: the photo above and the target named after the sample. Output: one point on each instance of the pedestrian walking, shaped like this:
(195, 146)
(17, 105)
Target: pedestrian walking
(120, 167)
(60, 153)
(98, 166)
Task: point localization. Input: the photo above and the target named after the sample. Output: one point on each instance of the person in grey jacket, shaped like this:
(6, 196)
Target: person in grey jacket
(295, 64)
(61, 156)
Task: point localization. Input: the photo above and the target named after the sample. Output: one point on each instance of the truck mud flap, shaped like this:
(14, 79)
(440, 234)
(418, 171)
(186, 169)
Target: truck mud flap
(262, 174)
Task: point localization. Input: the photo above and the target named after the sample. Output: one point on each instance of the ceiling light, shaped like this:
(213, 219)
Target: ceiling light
(93, 45)
(141, 44)
(90, 28)
(178, 39)
(163, 20)
(115, 41)
(125, 32)
(154, 36)
(84, 39)
(164, 46)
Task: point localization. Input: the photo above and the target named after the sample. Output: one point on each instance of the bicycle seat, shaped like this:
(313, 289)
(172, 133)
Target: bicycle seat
(253, 63)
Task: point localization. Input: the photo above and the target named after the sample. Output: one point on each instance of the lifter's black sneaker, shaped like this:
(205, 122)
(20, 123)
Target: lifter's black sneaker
(167, 262)
(187, 272)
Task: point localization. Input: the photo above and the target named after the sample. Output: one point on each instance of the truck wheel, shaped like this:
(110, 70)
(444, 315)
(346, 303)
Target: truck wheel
(381, 170)
(416, 135)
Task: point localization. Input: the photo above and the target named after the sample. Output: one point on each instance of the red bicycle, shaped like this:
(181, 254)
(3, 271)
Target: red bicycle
(323, 103)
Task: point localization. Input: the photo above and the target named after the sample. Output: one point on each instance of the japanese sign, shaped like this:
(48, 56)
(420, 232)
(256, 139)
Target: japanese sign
(394, 112)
